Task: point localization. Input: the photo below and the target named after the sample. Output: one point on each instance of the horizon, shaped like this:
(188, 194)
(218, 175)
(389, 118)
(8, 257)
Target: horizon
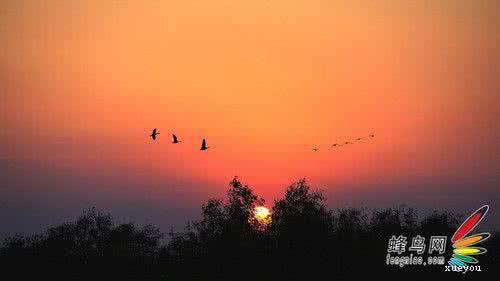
(84, 83)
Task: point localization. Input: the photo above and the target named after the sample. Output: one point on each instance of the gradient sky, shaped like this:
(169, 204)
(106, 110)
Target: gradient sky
(82, 83)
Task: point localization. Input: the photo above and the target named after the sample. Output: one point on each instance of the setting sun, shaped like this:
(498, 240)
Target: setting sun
(262, 215)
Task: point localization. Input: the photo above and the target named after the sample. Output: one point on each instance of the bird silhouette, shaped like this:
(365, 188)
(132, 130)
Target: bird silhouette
(347, 142)
(175, 140)
(315, 149)
(372, 136)
(335, 145)
(154, 134)
(358, 139)
(204, 145)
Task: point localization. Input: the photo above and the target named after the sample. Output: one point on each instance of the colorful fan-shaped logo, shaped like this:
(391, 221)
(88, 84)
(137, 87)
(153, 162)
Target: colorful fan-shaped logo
(463, 253)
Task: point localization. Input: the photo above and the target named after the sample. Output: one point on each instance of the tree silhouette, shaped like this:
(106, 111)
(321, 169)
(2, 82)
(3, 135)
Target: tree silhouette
(304, 240)
(91, 247)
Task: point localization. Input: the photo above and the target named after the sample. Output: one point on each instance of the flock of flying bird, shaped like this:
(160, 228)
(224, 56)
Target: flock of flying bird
(204, 146)
(175, 140)
(340, 144)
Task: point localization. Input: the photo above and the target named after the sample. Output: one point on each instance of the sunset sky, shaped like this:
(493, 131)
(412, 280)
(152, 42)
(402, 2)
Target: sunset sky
(82, 83)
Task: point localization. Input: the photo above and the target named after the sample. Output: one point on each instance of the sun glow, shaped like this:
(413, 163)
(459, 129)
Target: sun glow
(262, 215)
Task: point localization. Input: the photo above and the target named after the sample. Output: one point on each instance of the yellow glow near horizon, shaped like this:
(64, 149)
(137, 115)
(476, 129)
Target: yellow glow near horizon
(262, 214)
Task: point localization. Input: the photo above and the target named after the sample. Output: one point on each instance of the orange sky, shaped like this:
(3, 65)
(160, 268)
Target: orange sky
(83, 82)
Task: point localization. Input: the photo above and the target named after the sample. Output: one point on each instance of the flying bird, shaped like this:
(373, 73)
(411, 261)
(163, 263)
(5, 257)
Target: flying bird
(347, 142)
(358, 139)
(175, 140)
(204, 145)
(335, 145)
(315, 149)
(372, 136)
(154, 134)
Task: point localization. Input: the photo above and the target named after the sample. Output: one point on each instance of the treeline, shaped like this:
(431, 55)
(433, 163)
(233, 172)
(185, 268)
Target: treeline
(303, 241)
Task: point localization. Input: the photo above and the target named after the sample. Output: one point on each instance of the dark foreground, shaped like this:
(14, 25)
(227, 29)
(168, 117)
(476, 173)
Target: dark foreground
(304, 241)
